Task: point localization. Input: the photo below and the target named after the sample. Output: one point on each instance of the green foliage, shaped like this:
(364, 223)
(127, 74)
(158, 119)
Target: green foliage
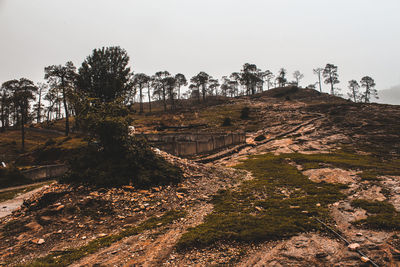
(245, 113)
(116, 158)
(67, 257)
(279, 202)
(370, 166)
(227, 122)
(385, 216)
(11, 176)
(105, 74)
(373, 206)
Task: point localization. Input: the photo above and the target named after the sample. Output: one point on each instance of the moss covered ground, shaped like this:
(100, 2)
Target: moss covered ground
(281, 202)
(381, 215)
(278, 203)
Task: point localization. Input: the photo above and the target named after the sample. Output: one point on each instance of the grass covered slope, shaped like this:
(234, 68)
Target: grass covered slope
(279, 202)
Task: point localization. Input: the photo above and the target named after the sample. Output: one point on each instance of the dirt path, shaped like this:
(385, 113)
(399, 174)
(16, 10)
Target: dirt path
(21, 186)
(7, 207)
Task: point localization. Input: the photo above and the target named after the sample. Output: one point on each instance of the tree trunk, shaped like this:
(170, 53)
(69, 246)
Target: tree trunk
(22, 129)
(38, 109)
(66, 114)
(148, 94)
(164, 100)
(204, 92)
(141, 99)
(65, 108)
(319, 81)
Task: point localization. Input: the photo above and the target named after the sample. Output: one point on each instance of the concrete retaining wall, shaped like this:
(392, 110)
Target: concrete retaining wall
(45, 172)
(193, 144)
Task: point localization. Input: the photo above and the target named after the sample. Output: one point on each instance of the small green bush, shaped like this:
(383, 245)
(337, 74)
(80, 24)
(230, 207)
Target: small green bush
(135, 164)
(227, 122)
(245, 113)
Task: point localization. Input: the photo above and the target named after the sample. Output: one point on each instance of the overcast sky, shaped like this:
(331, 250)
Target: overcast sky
(361, 37)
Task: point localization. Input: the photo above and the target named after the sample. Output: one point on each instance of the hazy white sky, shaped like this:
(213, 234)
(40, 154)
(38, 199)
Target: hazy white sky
(361, 37)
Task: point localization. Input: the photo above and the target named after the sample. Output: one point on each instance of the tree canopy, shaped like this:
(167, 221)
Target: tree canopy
(105, 74)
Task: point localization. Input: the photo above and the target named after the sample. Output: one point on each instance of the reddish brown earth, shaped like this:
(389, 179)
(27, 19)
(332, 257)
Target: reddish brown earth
(72, 216)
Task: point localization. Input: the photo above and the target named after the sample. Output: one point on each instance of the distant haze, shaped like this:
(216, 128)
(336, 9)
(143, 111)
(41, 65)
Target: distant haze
(389, 96)
(361, 37)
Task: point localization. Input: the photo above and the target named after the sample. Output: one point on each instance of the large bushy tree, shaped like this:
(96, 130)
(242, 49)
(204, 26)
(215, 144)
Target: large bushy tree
(113, 157)
(105, 74)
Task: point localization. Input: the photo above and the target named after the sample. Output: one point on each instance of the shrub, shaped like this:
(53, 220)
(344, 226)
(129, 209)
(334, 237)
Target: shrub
(11, 176)
(227, 122)
(116, 158)
(134, 163)
(245, 113)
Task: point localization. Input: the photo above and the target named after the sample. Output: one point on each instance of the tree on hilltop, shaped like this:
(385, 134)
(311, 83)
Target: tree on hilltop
(201, 80)
(331, 76)
(42, 88)
(62, 77)
(281, 78)
(354, 93)
(369, 84)
(297, 75)
(159, 81)
(141, 80)
(318, 72)
(180, 81)
(23, 91)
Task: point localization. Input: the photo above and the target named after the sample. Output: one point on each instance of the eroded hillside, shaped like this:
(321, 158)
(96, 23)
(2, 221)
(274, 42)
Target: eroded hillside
(310, 162)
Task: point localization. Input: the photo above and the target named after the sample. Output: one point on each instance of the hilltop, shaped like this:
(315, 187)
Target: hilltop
(310, 161)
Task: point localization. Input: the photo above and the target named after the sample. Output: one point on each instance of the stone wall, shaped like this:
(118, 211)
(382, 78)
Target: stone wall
(45, 172)
(194, 144)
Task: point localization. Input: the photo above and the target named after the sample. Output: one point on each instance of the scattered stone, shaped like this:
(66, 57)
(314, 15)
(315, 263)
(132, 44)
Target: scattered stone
(38, 241)
(353, 246)
(321, 255)
(365, 259)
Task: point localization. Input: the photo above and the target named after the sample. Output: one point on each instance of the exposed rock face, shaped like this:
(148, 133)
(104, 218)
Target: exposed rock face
(331, 175)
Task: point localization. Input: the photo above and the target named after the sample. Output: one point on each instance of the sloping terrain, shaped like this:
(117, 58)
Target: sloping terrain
(312, 164)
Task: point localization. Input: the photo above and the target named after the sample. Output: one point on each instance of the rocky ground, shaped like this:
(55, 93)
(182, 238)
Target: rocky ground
(61, 217)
